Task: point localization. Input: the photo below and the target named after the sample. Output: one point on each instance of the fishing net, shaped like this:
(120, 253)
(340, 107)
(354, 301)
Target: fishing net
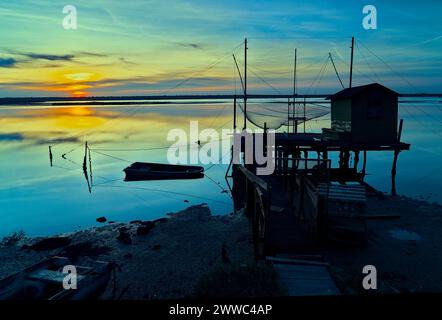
(278, 114)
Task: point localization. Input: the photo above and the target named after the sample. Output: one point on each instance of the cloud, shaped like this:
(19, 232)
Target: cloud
(189, 45)
(57, 140)
(50, 57)
(7, 62)
(14, 136)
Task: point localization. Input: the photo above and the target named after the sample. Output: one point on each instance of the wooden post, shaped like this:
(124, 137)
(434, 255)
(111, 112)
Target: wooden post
(50, 155)
(364, 164)
(245, 83)
(356, 160)
(294, 94)
(265, 140)
(395, 157)
(234, 112)
(393, 173)
(400, 131)
(305, 118)
(351, 61)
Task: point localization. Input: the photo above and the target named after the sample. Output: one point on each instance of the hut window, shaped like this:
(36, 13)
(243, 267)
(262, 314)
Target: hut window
(375, 109)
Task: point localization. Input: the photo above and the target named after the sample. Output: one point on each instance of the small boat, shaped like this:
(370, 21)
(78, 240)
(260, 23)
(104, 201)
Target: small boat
(158, 171)
(44, 281)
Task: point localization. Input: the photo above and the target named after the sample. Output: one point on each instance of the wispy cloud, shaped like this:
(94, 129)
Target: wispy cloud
(7, 62)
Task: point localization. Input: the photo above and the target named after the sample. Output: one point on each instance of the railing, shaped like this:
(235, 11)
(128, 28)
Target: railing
(255, 202)
(290, 165)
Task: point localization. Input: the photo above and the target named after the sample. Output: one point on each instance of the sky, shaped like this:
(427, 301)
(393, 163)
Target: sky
(185, 47)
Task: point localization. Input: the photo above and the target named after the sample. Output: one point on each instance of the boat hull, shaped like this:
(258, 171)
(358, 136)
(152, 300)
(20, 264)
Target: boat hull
(142, 171)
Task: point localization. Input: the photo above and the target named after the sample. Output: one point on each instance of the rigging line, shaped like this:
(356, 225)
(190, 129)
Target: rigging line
(113, 157)
(392, 70)
(320, 79)
(222, 126)
(192, 144)
(336, 70)
(263, 80)
(432, 117)
(219, 186)
(165, 191)
(218, 115)
(211, 66)
(239, 74)
(366, 61)
(355, 69)
(314, 80)
(221, 160)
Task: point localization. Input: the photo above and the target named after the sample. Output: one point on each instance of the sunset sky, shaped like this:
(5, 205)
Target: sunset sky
(151, 47)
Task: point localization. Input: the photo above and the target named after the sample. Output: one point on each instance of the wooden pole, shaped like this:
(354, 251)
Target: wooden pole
(295, 129)
(305, 118)
(351, 61)
(234, 112)
(395, 157)
(393, 173)
(245, 83)
(265, 139)
(401, 123)
(50, 155)
(364, 164)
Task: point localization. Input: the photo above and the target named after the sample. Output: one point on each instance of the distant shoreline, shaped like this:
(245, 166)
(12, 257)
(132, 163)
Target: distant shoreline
(99, 99)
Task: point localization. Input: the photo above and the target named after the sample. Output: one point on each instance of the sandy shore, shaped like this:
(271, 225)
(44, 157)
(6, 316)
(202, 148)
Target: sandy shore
(160, 259)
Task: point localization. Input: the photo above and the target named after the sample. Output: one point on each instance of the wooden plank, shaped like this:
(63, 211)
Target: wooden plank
(295, 261)
(306, 279)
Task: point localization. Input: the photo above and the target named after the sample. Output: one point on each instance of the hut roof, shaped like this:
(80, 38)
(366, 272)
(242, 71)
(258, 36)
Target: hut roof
(351, 92)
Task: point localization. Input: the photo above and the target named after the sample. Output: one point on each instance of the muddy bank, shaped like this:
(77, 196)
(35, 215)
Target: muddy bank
(158, 259)
(404, 243)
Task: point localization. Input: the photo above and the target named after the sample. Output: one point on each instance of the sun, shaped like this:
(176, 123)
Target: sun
(79, 94)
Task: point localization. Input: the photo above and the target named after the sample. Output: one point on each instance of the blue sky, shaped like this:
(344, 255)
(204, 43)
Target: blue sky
(150, 47)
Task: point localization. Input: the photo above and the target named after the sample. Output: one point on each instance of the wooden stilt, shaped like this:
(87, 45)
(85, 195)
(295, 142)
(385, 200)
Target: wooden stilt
(364, 165)
(356, 160)
(50, 155)
(393, 173)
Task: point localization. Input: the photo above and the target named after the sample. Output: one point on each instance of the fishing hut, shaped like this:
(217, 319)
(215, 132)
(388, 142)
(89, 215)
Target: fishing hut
(317, 192)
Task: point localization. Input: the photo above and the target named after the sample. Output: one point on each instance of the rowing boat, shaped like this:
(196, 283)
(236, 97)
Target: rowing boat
(157, 171)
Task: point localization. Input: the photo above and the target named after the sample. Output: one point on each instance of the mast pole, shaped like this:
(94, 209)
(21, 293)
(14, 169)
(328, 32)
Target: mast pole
(351, 61)
(295, 129)
(245, 83)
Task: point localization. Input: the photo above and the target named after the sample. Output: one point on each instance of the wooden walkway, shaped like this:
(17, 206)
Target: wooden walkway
(304, 277)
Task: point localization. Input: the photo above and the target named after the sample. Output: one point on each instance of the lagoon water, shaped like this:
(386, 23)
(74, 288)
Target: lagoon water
(43, 200)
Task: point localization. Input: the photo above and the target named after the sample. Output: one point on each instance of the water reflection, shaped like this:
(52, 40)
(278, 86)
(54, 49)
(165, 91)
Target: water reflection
(42, 200)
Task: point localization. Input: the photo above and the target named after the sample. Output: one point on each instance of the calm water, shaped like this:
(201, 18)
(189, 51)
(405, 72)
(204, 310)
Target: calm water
(41, 200)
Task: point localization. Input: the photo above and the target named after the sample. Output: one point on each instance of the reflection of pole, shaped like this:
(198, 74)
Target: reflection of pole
(90, 165)
(85, 167)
